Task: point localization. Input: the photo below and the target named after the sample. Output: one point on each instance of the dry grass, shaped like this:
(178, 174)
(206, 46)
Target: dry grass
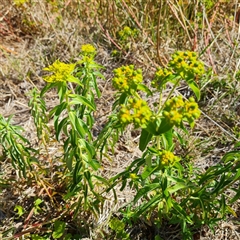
(36, 34)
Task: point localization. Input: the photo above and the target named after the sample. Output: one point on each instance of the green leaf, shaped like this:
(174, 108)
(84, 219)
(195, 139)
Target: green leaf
(147, 172)
(77, 173)
(88, 176)
(83, 128)
(220, 184)
(146, 206)
(74, 80)
(37, 209)
(145, 138)
(79, 127)
(122, 98)
(153, 126)
(20, 210)
(237, 175)
(76, 99)
(180, 138)
(230, 210)
(98, 74)
(153, 150)
(68, 237)
(116, 225)
(231, 156)
(168, 204)
(176, 187)
(90, 120)
(94, 164)
(85, 193)
(164, 185)
(95, 83)
(69, 160)
(204, 210)
(143, 191)
(59, 228)
(102, 179)
(182, 213)
(63, 123)
(213, 172)
(37, 202)
(72, 117)
(144, 88)
(149, 160)
(237, 145)
(164, 127)
(47, 87)
(57, 110)
(88, 147)
(223, 205)
(237, 196)
(62, 89)
(37, 237)
(195, 89)
(169, 137)
(173, 78)
(94, 65)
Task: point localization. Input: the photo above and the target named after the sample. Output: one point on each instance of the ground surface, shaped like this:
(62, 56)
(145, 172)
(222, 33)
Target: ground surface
(22, 57)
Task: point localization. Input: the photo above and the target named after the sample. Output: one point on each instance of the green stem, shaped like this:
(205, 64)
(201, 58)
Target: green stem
(67, 101)
(158, 142)
(169, 95)
(160, 103)
(85, 91)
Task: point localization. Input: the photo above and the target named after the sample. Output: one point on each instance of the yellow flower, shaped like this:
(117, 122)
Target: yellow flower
(141, 112)
(88, 49)
(176, 110)
(142, 116)
(191, 110)
(125, 33)
(126, 78)
(136, 111)
(136, 103)
(174, 117)
(61, 72)
(161, 77)
(173, 110)
(175, 102)
(125, 115)
(186, 64)
(168, 158)
(19, 2)
(133, 176)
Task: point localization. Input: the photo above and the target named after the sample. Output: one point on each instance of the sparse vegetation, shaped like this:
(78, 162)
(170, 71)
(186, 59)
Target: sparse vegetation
(119, 119)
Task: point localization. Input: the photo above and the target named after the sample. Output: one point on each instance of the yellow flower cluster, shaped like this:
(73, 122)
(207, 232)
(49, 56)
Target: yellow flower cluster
(88, 49)
(160, 75)
(191, 110)
(126, 32)
(61, 72)
(88, 53)
(126, 78)
(168, 158)
(177, 110)
(186, 64)
(136, 111)
(19, 2)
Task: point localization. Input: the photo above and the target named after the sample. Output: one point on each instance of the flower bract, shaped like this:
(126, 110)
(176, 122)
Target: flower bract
(60, 72)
